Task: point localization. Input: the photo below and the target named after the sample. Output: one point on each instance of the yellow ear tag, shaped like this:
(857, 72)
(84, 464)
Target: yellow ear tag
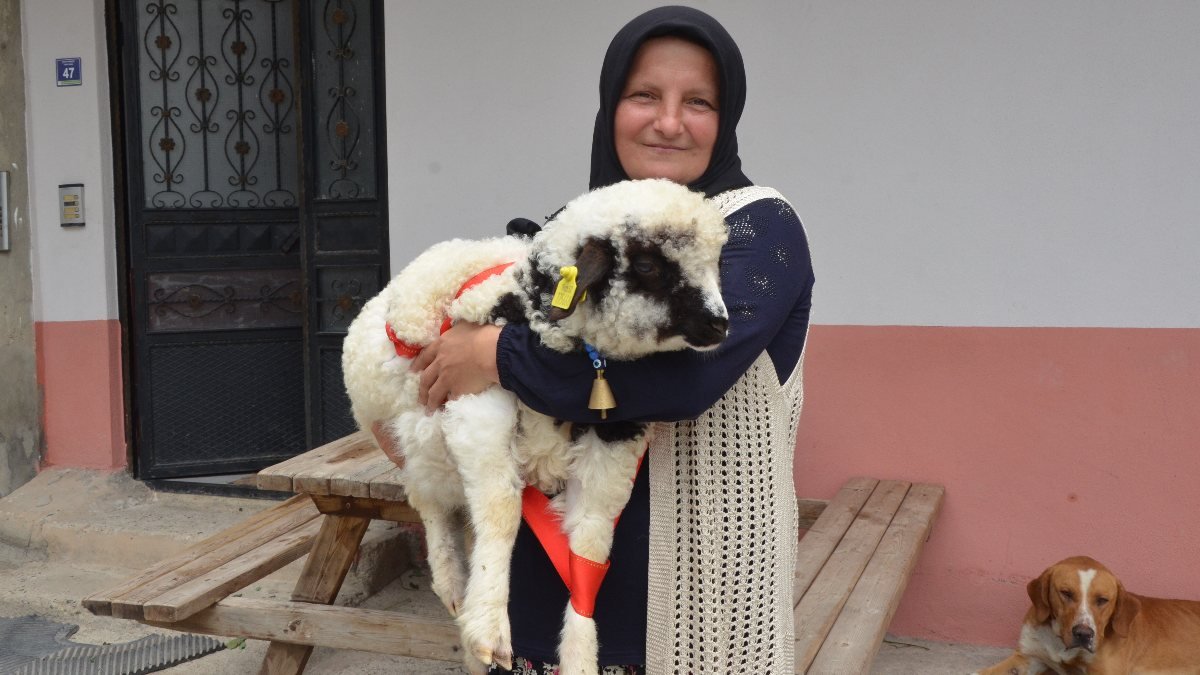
(566, 287)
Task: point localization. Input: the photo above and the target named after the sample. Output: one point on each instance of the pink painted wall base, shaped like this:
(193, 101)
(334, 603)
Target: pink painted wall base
(79, 370)
(1050, 442)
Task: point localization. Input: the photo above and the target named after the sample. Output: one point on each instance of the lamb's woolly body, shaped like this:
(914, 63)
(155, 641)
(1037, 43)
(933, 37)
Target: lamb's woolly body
(479, 451)
(420, 296)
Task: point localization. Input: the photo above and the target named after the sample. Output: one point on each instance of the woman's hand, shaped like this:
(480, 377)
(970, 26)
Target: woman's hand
(462, 361)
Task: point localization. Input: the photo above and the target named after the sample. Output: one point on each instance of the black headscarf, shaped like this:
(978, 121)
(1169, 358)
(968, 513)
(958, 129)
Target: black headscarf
(725, 168)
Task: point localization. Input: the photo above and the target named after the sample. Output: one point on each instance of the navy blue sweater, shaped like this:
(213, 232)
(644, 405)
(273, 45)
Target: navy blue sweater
(766, 281)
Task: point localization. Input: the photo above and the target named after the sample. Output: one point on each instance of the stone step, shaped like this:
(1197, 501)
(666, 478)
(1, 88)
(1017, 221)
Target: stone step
(52, 590)
(109, 520)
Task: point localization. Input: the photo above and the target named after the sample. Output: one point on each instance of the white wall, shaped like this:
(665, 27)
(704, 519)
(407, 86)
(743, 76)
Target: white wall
(1019, 163)
(70, 141)
(1023, 163)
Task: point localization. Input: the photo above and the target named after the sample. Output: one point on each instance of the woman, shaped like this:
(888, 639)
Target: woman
(703, 555)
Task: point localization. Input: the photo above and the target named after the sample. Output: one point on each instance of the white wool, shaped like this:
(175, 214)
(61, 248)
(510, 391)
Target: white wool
(645, 208)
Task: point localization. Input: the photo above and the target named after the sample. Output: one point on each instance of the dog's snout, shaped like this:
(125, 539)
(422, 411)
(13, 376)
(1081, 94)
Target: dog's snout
(1082, 636)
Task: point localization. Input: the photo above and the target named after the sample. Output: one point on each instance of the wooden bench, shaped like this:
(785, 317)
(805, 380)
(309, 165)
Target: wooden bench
(851, 569)
(189, 591)
(852, 566)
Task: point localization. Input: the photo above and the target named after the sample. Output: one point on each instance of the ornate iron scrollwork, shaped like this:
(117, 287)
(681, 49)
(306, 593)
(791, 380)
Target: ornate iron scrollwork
(257, 160)
(225, 300)
(342, 293)
(346, 154)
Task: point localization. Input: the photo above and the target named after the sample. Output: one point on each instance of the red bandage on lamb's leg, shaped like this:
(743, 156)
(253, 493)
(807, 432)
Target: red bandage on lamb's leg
(547, 527)
(581, 576)
(586, 577)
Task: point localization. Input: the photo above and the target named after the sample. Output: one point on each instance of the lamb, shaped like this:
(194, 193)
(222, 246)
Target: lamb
(645, 254)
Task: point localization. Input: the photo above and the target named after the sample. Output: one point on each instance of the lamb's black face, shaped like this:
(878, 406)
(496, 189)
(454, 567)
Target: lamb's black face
(691, 313)
(699, 327)
(646, 292)
(650, 272)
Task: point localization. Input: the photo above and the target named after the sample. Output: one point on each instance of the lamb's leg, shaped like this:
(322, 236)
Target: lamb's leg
(605, 473)
(442, 539)
(479, 431)
(434, 489)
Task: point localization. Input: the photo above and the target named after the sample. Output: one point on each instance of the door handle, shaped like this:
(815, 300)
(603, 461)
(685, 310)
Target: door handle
(289, 242)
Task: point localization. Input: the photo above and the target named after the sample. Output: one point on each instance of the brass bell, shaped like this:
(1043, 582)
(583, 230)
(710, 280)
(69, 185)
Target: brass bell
(602, 398)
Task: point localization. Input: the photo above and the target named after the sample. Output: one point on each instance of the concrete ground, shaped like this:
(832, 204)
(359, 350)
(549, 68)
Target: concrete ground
(70, 533)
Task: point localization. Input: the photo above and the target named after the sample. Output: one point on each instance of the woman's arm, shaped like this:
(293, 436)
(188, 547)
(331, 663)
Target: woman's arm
(766, 279)
(461, 361)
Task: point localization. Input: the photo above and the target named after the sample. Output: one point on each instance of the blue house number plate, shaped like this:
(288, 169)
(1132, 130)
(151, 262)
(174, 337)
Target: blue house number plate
(69, 72)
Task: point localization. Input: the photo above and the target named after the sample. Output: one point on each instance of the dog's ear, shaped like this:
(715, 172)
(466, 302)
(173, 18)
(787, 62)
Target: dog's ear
(594, 264)
(1127, 608)
(1039, 595)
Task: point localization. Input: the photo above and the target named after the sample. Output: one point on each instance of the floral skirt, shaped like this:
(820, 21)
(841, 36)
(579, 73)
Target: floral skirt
(526, 667)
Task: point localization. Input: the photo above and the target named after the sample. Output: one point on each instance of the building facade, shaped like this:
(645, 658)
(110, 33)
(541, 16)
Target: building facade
(1000, 200)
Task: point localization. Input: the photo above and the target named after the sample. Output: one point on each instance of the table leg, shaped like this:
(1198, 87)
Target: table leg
(332, 553)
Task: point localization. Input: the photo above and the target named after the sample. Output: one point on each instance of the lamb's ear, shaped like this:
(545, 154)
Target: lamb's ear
(594, 263)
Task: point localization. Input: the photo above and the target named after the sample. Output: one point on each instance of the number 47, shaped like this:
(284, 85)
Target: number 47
(68, 72)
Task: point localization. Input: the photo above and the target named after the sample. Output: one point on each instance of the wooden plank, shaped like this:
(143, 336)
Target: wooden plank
(853, 643)
(250, 536)
(324, 572)
(817, 610)
(365, 507)
(333, 553)
(191, 597)
(281, 661)
(279, 477)
(297, 507)
(808, 510)
(316, 480)
(355, 481)
(825, 534)
(388, 486)
(383, 632)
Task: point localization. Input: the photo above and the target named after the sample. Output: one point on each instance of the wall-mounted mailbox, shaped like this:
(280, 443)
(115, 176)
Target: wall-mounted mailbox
(4, 216)
(70, 200)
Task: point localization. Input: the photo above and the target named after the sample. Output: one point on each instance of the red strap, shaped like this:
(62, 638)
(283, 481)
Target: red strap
(404, 349)
(581, 576)
(586, 577)
(473, 282)
(547, 527)
(409, 350)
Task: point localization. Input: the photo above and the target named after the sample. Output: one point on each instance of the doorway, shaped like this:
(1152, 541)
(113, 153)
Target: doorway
(255, 222)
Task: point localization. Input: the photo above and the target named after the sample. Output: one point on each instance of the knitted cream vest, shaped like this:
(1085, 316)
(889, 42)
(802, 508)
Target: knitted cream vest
(723, 524)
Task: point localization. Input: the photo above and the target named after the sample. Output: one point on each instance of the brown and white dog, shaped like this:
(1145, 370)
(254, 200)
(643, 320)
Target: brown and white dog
(1083, 622)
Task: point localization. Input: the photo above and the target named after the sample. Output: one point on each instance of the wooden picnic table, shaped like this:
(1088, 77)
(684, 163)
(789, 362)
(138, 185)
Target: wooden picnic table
(351, 482)
(852, 567)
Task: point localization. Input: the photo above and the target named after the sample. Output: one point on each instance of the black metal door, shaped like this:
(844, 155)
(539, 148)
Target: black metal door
(256, 222)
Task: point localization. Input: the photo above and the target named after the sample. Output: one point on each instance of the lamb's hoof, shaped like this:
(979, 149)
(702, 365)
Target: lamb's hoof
(494, 654)
(475, 667)
(503, 659)
(452, 606)
(487, 637)
(480, 661)
(452, 599)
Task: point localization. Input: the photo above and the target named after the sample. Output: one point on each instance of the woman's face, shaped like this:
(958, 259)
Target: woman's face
(666, 120)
